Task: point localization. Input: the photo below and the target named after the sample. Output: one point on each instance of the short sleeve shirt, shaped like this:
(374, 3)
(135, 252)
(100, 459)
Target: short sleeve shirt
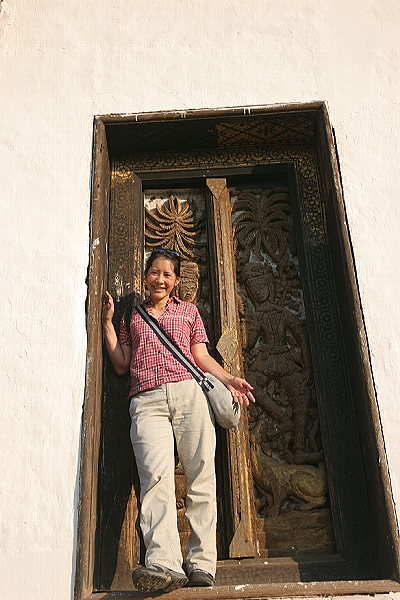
(152, 364)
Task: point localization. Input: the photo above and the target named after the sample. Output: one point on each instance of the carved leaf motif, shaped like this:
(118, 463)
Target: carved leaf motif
(172, 225)
(261, 223)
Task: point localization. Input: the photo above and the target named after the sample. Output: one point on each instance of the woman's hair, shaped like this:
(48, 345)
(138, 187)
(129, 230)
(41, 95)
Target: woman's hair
(171, 255)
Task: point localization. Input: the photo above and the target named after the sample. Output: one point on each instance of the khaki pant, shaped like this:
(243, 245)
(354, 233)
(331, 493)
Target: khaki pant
(177, 409)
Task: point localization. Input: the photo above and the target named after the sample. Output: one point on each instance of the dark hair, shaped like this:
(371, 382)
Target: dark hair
(171, 255)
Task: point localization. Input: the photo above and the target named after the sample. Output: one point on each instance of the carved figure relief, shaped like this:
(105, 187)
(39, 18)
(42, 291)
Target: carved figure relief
(278, 481)
(284, 427)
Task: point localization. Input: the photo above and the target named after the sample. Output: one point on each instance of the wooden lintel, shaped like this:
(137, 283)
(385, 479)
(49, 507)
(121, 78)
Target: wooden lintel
(190, 113)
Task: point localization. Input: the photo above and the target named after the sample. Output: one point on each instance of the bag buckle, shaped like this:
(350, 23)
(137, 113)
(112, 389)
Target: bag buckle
(206, 384)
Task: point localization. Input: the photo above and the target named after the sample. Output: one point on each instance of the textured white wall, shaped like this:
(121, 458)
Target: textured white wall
(63, 62)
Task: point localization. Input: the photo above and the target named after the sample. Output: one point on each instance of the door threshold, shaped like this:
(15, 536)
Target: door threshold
(263, 591)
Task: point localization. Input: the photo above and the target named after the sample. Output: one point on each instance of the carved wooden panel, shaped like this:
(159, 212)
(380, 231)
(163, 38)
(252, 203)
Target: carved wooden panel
(287, 458)
(118, 538)
(174, 219)
(284, 426)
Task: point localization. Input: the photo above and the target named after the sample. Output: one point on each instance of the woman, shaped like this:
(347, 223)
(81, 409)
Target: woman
(167, 403)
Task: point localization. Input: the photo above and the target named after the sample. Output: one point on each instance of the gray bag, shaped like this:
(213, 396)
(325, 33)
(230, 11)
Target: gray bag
(224, 407)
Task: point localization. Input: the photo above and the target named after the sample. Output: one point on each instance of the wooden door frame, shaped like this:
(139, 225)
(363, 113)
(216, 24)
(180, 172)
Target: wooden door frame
(355, 339)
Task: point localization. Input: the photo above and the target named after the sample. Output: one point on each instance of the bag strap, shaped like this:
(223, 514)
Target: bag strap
(174, 348)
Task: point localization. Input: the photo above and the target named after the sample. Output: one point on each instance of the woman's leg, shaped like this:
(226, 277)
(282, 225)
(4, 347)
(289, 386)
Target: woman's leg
(153, 445)
(194, 430)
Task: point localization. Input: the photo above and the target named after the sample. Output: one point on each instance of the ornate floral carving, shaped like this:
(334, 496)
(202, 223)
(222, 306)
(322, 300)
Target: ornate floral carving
(172, 225)
(261, 223)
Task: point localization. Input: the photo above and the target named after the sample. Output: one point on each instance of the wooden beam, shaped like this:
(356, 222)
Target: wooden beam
(90, 436)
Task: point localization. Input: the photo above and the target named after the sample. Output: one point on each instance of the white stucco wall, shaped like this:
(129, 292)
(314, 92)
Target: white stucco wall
(63, 62)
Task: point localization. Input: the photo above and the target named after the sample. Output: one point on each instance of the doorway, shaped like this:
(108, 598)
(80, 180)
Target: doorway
(251, 205)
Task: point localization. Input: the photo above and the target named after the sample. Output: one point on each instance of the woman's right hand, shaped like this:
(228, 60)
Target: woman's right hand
(120, 355)
(108, 308)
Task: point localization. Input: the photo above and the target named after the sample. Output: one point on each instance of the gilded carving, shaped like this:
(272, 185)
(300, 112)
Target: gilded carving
(228, 347)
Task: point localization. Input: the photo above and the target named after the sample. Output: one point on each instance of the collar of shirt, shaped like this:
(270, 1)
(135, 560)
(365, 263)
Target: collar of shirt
(148, 303)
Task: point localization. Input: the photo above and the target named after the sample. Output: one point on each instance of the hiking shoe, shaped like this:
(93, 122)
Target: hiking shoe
(156, 578)
(200, 578)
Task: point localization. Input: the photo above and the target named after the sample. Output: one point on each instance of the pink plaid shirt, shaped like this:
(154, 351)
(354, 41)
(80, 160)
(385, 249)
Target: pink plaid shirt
(152, 363)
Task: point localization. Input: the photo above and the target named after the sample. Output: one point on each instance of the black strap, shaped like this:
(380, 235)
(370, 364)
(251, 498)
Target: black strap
(175, 350)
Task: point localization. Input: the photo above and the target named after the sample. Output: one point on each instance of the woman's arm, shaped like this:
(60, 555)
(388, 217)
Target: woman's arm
(120, 355)
(239, 387)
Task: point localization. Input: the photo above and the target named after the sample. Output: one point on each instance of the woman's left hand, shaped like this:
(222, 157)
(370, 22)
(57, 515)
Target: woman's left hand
(238, 387)
(241, 390)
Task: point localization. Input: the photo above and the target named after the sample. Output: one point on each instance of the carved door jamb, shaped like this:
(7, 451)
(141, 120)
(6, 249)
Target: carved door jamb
(243, 541)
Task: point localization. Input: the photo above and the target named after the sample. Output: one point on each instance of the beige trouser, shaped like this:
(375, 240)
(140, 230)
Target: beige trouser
(177, 409)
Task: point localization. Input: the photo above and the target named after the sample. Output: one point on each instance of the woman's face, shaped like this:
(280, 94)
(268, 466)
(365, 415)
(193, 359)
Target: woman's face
(161, 279)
